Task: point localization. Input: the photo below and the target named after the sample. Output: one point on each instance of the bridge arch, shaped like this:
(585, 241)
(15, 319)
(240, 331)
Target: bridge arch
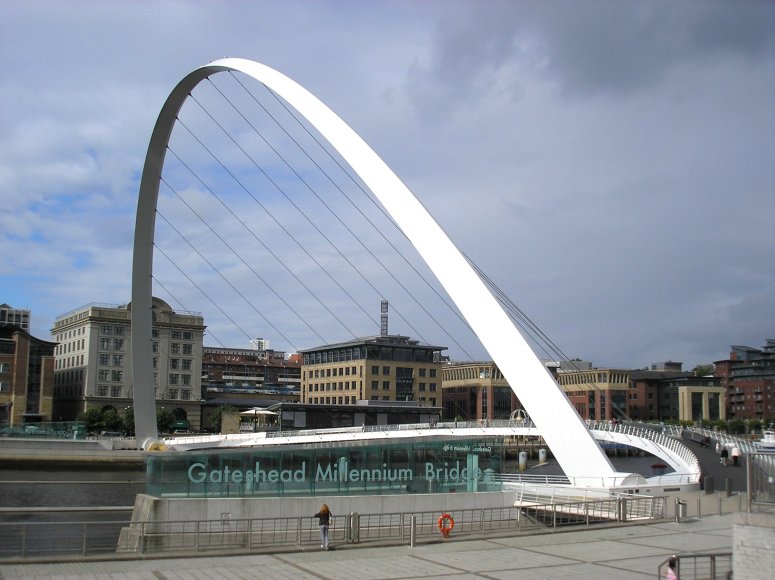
(562, 428)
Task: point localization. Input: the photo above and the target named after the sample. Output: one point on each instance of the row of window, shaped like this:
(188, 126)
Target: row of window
(67, 347)
(111, 329)
(339, 355)
(177, 348)
(68, 362)
(332, 372)
(62, 336)
(333, 400)
(422, 372)
(116, 391)
(334, 386)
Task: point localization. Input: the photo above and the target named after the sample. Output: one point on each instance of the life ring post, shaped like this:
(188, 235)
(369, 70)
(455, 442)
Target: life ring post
(446, 523)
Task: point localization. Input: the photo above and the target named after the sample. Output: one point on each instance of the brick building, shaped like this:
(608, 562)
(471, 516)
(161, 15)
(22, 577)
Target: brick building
(748, 376)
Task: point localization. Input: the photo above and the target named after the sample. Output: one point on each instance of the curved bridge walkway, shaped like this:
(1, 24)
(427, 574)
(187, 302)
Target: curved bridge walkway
(666, 445)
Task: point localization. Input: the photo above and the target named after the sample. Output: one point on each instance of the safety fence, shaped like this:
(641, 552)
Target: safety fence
(698, 566)
(761, 478)
(25, 540)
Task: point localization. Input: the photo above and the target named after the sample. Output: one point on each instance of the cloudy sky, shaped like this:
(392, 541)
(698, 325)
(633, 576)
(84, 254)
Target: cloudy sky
(610, 164)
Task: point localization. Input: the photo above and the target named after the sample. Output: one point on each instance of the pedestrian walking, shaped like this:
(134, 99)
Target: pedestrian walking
(324, 519)
(735, 457)
(724, 456)
(671, 572)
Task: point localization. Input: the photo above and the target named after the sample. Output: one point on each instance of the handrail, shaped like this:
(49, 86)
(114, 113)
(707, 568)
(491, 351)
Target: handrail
(31, 539)
(695, 566)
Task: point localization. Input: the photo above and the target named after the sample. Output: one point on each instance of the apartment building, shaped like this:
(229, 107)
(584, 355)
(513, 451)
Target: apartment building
(93, 360)
(26, 377)
(748, 378)
(476, 391)
(377, 368)
(15, 316)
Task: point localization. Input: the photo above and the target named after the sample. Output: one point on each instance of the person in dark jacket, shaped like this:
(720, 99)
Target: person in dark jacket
(324, 519)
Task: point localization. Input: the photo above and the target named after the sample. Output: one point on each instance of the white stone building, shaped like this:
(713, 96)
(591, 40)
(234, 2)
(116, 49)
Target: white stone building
(93, 361)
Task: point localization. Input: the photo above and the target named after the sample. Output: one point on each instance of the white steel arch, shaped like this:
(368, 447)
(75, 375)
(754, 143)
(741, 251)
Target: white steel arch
(562, 428)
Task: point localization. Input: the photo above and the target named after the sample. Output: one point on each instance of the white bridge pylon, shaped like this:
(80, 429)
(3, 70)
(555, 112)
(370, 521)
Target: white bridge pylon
(563, 430)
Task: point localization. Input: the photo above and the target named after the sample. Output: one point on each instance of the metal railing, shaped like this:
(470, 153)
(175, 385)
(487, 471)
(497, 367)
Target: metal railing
(39, 540)
(760, 476)
(696, 566)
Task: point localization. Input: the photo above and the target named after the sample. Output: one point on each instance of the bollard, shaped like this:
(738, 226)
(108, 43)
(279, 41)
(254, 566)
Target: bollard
(680, 510)
(354, 530)
(729, 486)
(412, 531)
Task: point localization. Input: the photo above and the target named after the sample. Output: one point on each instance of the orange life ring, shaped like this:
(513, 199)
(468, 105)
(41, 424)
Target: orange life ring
(446, 523)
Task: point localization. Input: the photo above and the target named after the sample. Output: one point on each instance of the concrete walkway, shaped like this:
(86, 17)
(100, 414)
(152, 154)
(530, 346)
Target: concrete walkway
(631, 552)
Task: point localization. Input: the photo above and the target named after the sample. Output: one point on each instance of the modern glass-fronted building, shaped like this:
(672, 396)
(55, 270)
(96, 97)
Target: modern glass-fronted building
(416, 465)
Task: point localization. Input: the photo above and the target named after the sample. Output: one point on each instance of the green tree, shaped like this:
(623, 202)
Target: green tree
(92, 419)
(703, 370)
(164, 420)
(129, 420)
(111, 420)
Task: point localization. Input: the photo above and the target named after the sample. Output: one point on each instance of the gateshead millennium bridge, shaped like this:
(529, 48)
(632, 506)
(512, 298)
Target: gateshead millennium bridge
(572, 443)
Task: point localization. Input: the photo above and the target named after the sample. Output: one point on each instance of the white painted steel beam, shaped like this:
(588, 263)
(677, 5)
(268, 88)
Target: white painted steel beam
(562, 428)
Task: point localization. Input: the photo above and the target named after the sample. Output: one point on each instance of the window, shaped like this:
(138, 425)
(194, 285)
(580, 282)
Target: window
(422, 372)
(386, 370)
(115, 391)
(119, 330)
(432, 387)
(106, 329)
(175, 363)
(104, 344)
(103, 375)
(432, 372)
(102, 390)
(185, 395)
(176, 335)
(385, 385)
(175, 348)
(116, 376)
(186, 364)
(188, 348)
(4, 387)
(118, 344)
(172, 394)
(174, 379)
(104, 359)
(188, 335)
(155, 347)
(374, 370)
(118, 360)
(185, 379)
(374, 384)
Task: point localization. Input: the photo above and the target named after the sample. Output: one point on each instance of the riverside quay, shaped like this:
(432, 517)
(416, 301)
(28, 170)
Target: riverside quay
(430, 466)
